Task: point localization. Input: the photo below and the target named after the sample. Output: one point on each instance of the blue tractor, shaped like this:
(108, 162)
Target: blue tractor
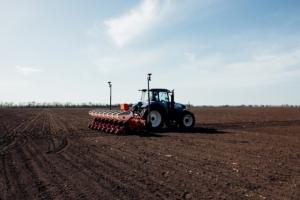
(160, 109)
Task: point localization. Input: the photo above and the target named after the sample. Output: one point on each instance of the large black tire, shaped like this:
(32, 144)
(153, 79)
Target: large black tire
(156, 119)
(187, 120)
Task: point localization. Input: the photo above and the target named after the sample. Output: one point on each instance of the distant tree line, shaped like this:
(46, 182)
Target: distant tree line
(250, 106)
(34, 104)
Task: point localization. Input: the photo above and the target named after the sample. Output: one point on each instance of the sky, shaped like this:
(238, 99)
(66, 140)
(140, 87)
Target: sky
(212, 52)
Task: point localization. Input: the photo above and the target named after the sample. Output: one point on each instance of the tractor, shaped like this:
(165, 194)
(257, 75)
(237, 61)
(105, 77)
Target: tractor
(163, 110)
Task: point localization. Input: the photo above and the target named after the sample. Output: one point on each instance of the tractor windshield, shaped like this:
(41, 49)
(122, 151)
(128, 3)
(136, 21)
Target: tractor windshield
(163, 97)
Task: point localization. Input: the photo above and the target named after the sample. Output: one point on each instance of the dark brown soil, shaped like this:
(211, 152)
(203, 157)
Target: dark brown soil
(233, 153)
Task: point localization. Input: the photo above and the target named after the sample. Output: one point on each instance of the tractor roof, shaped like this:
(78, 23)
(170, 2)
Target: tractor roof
(156, 90)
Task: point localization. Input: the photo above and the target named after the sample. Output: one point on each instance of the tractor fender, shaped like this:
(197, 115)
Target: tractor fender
(157, 107)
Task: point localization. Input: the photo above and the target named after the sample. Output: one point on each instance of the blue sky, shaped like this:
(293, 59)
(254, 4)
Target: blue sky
(212, 52)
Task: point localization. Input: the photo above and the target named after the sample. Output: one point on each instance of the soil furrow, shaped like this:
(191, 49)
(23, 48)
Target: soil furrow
(119, 168)
(16, 186)
(51, 154)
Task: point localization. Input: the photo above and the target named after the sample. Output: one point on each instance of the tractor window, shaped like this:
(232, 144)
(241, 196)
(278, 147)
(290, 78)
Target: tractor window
(154, 96)
(143, 96)
(163, 97)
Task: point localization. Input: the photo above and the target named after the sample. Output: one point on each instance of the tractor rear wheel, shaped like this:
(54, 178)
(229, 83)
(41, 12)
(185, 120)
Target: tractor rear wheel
(155, 119)
(188, 120)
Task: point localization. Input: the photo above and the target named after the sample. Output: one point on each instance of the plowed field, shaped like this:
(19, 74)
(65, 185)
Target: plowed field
(233, 153)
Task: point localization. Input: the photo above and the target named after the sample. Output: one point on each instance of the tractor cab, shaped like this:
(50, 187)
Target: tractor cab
(163, 96)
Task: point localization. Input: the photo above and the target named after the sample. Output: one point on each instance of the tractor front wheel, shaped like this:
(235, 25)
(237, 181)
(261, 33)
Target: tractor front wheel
(188, 120)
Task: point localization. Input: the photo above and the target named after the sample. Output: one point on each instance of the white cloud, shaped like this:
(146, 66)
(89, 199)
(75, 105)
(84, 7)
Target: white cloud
(208, 62)
(191, 57)
(127, 61)
(27, 70)
(125, 28)
(256, 71)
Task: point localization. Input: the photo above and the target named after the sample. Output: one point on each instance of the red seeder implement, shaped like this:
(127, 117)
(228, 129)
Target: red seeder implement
(116, 122)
